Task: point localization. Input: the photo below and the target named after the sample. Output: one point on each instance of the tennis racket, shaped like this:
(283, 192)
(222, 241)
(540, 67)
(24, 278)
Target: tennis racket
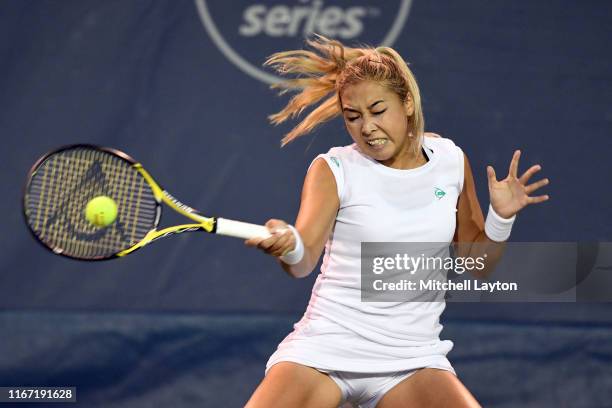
(64, 181)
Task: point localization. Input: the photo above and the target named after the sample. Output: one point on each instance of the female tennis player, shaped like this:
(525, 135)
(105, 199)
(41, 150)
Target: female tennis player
(395, 183)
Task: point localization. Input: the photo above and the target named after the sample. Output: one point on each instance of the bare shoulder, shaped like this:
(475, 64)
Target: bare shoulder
(320, 184)
(320, 172)
(430, 134)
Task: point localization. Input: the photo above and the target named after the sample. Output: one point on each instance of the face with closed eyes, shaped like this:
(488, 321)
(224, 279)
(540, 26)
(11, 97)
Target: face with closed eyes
(377, 120)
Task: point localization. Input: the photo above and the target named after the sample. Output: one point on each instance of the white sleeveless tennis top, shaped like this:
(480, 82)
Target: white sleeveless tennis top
(377, 203)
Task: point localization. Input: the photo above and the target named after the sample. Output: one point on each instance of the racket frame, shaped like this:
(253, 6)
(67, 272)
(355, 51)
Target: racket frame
(213, 225)
(207, 224)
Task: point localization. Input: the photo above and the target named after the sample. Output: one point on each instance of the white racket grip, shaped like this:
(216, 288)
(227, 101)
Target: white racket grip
(239, 229)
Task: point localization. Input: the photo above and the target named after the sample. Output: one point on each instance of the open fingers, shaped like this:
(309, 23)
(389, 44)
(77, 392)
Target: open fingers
(492, 179)
(530, 172)
(534, 186)
(538, 199)
(514, 163)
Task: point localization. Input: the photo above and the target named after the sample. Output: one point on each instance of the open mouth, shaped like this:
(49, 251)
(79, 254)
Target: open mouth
(377, 142)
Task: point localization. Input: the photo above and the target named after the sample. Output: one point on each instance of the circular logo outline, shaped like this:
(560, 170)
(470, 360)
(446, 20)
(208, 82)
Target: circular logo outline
(257, 73)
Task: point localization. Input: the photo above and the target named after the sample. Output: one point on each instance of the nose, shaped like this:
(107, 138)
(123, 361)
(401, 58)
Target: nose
(368, 128)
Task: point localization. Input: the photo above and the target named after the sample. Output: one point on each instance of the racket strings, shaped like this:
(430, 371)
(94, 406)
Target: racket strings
(62, 186)
(61, 204)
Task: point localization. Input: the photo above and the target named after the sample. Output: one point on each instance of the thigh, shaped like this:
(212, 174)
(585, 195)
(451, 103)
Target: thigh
(429, 387)
(295, 385)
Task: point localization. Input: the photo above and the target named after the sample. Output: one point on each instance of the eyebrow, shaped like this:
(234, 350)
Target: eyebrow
(370, 107)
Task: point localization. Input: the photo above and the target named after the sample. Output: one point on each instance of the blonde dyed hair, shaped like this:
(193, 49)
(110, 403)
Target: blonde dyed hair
(323, 72)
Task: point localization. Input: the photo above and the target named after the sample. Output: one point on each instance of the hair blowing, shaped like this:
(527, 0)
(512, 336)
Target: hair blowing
(322, 74)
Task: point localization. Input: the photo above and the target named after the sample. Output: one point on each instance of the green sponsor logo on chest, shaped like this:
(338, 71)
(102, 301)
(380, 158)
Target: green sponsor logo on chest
(439, 193)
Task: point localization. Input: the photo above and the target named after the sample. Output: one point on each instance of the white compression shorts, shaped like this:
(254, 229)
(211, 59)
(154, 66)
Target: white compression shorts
(366, 390)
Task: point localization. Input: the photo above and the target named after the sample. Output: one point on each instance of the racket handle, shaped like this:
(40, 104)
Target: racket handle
(239, 229)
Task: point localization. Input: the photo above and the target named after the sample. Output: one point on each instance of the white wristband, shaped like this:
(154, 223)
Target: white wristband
(496, 227)
(295, 256)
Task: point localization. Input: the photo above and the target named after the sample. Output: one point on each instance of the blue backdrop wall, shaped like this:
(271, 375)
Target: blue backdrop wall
(179, 86)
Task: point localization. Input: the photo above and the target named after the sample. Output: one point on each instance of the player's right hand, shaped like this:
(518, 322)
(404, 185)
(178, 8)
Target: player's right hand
(280, 243)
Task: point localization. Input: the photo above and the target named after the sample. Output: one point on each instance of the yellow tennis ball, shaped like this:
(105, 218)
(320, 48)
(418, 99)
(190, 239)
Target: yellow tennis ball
(101, 211)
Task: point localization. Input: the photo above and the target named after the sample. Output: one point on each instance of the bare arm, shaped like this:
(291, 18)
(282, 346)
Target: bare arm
(318, 209)
(470, 226)
(470, 220)
(507, 196)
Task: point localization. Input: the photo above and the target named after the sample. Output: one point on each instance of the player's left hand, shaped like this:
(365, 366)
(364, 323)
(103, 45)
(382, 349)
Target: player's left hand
(510, 195)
